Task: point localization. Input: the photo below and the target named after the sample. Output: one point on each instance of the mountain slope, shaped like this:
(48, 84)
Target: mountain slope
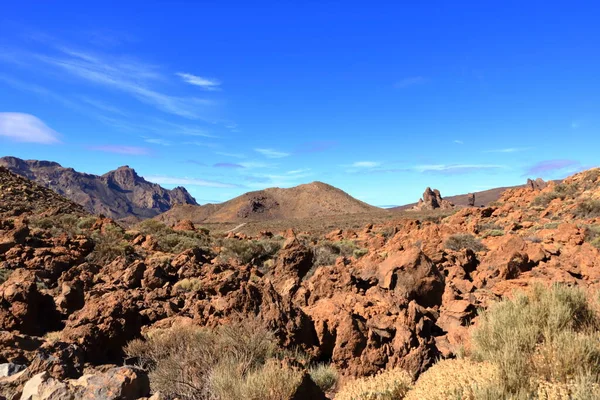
(309, 200)
(117, 194)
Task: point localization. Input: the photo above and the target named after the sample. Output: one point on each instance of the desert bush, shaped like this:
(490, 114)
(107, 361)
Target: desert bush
(561, 191)
(464, 241)
(86, 223)
(188, 285)
(60, 224)
(587, 209)
(239, 359)
(533, 239)
(173, 241)
(358, 253)
(493, 233)
(108, 245)
(325, 254)
(4, 274)
(488, 226)
(254, 252)
(456, 379)
(549, 335)
(392, 384)
(272, 381)
(324, 375)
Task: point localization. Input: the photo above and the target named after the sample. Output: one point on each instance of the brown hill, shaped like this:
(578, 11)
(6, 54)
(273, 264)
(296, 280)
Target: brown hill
(314, 199)
(121, 193)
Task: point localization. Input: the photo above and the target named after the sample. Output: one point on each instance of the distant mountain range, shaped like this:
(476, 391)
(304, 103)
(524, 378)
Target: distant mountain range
(118, 194)
(310, 200)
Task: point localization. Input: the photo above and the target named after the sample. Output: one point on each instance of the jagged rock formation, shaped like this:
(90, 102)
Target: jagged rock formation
(117, 194)
(537, 184)
(471, 199)
(432, 200)
(315, 199)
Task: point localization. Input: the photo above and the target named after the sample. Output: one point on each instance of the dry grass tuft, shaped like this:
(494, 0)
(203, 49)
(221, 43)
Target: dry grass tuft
(324, 375)
(392, 384)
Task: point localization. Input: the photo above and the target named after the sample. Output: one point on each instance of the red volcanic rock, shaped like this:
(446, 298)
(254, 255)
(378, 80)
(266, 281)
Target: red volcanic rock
(184, 225)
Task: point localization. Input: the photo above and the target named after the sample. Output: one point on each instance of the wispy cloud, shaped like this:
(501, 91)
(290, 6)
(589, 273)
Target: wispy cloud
(204, 83)
(410, 81)
(509, 150)
(234, 155)
(256, 165)
(270, 153)
(196, 162)
(126, 75)
(161, 142)
(228, 165)
(315, 146)
(549, 166)
(171, 180)
(576, 124)
(128, 150)
(21, 127)
(298, 171)
(456, 168)
(459, 142)
(366, 164)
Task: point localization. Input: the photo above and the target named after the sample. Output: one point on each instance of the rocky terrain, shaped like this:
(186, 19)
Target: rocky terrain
(118, 194)
(311, 200)
(79, 292)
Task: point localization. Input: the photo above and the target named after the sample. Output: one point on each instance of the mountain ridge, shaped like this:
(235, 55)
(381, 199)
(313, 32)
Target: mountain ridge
(117, 194)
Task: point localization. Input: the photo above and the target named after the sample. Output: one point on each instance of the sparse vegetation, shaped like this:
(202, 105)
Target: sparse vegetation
(173, 241)
(550, 335)
(561, 191)
(324, 375)
(587, 209)
(109, 245)
(392, 384)
(464, 241)
(493, 233)
(237, 361)
(254, 252)
(4, 275)
(188, 285)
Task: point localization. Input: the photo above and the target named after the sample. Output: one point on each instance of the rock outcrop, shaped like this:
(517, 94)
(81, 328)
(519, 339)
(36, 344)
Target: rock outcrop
(432, 200)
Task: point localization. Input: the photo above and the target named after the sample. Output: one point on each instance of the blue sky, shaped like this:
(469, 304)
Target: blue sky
(380, 99)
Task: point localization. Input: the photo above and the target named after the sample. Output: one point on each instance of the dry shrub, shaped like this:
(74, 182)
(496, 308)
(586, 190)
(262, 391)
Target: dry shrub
(109, 244)
(188, 285)
(548, 335)
(455, 379)
(254, 252)
(271, 381)
(173, 241)
(587, 209)
(392, 384)
(324, 375)
(464, 241)
(232, 361)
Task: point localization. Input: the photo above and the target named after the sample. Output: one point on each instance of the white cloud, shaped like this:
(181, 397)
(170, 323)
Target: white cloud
(508, 150)
(234, 155)
(204, 83)
(456, 168)
(366, 164)
(270, 153)
(459, 142)
(298, 171)
(26, 128)
(160, 142)
(129, 150)
(256, 164)
(171, 180)
(125, 75)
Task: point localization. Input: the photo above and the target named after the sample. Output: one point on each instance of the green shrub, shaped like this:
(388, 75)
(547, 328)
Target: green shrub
(392, 384)
(464, 241)
(109, 245)
(324, 375)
